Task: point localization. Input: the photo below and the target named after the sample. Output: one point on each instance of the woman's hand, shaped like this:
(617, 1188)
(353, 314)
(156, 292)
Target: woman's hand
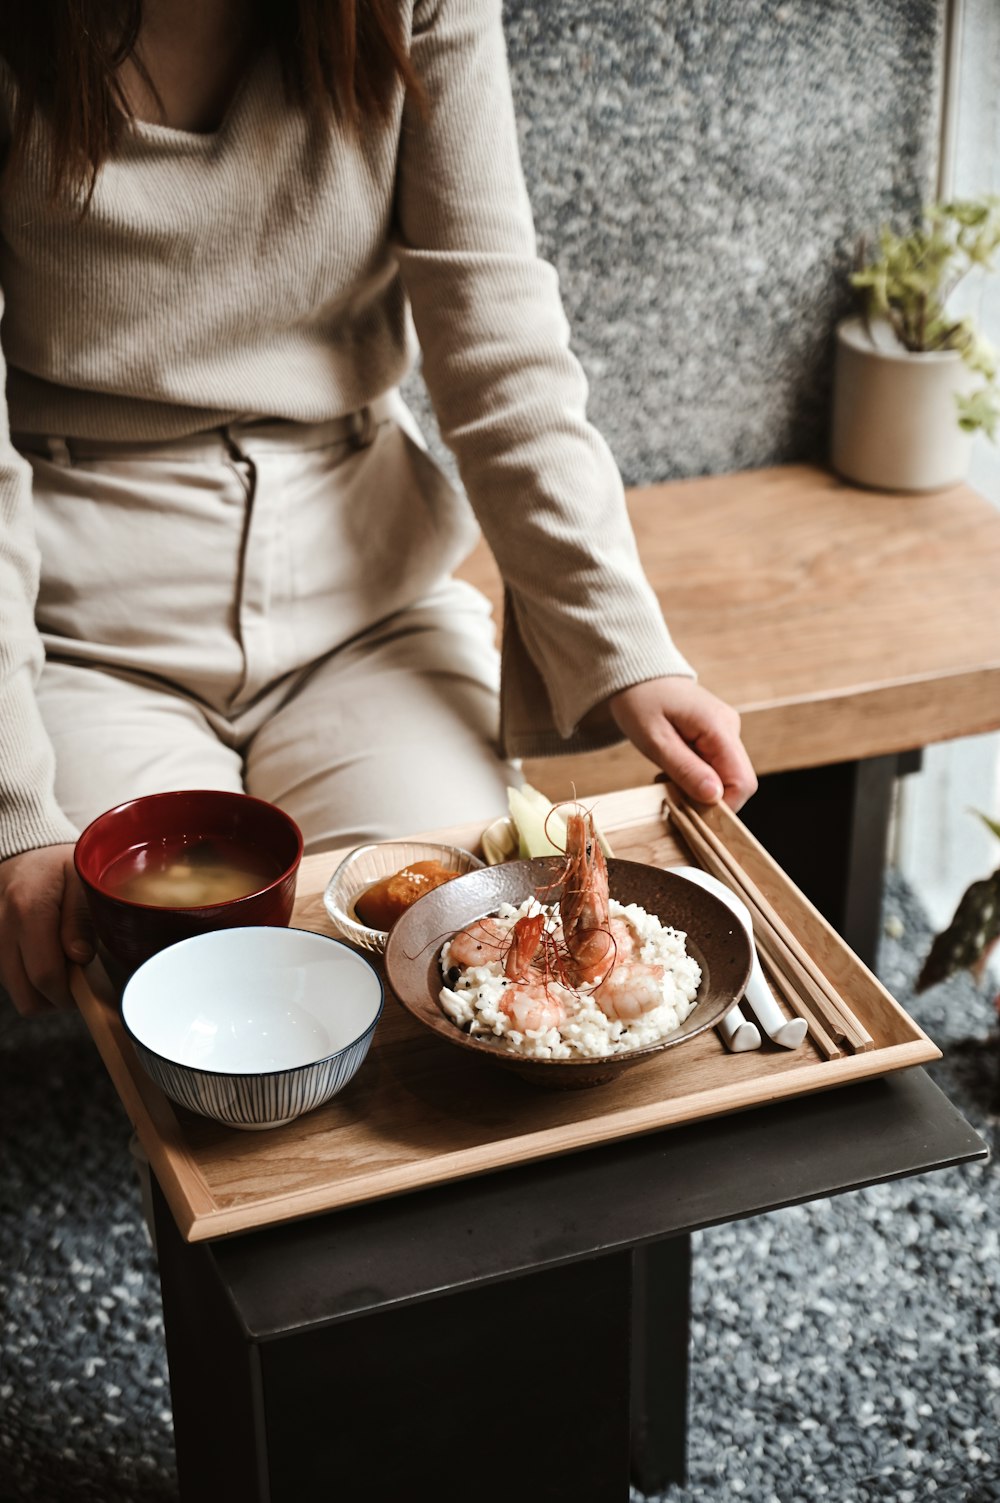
(43, 923)
(691, 735)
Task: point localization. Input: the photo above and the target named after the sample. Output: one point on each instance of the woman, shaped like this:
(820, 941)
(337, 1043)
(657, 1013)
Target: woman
(212, 231)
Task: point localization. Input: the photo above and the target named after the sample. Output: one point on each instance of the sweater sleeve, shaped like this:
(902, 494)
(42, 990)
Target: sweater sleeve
(509, 395)
(29, 814)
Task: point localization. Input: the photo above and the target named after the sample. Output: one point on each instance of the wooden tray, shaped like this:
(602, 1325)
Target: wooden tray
(420, 1113)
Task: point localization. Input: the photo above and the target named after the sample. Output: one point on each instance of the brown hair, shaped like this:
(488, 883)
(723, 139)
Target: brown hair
(340, 58)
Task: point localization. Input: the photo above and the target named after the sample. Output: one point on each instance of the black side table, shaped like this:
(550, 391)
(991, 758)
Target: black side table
(519, 1336)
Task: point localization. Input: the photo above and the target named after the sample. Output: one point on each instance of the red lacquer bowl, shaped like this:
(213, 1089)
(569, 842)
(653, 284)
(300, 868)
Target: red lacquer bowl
(129, 932)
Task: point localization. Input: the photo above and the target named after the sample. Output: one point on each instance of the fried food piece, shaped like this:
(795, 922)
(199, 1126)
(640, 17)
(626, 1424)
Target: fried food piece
(380, 905)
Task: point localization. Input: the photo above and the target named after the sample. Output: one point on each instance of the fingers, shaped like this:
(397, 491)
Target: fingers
(722, 748)
(693, 774)
(75, 930)
(43, 961)
(712, 728)
(39, 920)
(657, 737)
(693, 736)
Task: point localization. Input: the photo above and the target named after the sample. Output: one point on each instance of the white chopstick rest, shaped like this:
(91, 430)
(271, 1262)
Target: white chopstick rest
(788, 1032)
(737, 1034)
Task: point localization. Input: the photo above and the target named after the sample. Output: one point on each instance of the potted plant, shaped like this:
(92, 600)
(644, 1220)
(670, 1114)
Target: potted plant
(912, 381)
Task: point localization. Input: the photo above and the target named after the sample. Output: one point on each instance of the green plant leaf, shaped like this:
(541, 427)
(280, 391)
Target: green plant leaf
(910, 278)
(991, 824)
(981, 356)
(964, 211)
(969, 938)
(979, 410)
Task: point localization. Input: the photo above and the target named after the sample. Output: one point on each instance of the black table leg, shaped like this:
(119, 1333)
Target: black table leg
(828, 828)
(214, 1374)
(661, 1337)
(517, 1389)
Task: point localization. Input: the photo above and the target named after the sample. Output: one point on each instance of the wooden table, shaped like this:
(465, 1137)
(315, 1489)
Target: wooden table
(850, 628)
(335, 1353)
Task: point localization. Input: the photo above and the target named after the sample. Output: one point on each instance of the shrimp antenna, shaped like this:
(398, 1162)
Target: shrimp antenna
(545, 828)
(439, 939)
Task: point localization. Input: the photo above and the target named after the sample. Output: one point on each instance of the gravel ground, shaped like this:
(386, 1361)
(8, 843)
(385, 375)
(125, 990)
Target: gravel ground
(865, 1364)
(882, 1382)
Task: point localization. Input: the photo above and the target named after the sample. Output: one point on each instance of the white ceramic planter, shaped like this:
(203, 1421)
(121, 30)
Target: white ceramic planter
(895, 423)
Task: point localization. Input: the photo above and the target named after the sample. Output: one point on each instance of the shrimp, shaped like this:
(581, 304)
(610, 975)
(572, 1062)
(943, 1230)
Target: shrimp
(533, 999)
(479, 944)
(523, 947)
(624, 937)
(604, 951)
(584, 901)
(490, 939)
(631, 989)
(533, 1007)
(587, 929)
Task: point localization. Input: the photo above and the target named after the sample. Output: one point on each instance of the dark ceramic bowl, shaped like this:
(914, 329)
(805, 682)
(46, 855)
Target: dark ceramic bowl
(128, 932)
(715, 939)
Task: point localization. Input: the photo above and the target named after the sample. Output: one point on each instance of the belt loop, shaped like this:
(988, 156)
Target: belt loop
(59, 450)
(363, 428)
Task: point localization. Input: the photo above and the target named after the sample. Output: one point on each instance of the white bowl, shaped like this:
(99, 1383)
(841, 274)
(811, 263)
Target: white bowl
(367, 864)
(253, 1026)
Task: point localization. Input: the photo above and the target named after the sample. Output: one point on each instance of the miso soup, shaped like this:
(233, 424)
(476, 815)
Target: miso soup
(179, 873)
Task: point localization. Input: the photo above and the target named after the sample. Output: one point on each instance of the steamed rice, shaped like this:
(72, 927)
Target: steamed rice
(472, 1000)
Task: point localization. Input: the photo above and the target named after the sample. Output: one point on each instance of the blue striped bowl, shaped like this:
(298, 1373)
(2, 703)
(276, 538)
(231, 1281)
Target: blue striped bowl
(253, 1026)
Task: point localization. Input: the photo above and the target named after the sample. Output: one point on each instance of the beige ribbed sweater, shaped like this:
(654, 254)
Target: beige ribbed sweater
(266, 271)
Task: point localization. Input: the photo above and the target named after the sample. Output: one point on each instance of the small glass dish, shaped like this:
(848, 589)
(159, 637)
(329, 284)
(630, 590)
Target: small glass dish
(368, 864)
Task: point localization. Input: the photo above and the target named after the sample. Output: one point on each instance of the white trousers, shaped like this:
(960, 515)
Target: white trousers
(267, 607)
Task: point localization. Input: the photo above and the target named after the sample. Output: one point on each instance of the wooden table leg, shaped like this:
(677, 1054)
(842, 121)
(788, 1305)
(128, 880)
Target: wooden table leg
(661, 1338)
(828, 828)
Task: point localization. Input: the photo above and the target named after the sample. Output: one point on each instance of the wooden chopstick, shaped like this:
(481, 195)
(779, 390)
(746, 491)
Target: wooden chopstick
(805, 985)
(773, 935)
(826, 1024)
(795, 1003)
(776, 972)
(776, 939)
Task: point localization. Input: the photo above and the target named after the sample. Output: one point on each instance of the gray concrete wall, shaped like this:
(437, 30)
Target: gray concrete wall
(700, 172)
